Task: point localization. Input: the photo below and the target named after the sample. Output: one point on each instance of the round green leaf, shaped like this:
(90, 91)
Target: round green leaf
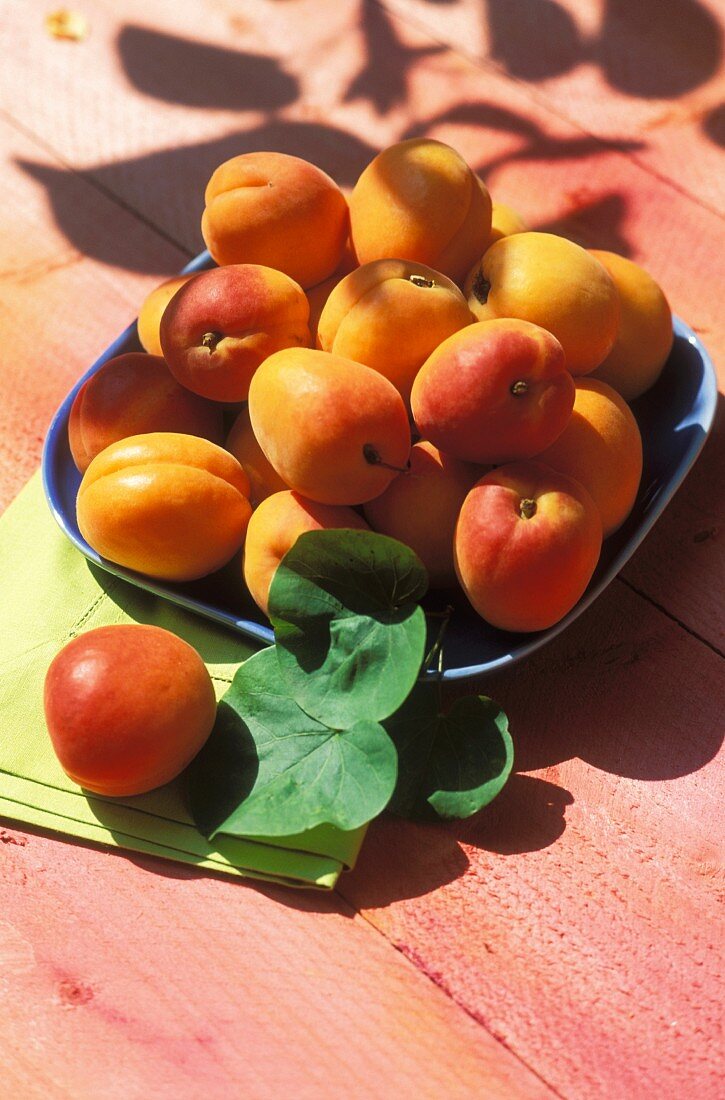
(269, 769)
(350, 634)
(453, 763)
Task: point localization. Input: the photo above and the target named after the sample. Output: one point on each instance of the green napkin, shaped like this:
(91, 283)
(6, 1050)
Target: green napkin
(48, 594)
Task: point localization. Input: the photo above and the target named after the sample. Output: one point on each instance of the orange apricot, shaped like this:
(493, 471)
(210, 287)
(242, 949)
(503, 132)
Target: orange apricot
(275, 527)
(276, 210)
(317, 295)
(420, 508)
(419, 200)
(242, 443)
(601, 447)
(151, 312)
(390, 315)
(334, 430)
(552, 282)
(505, 221)
(168, 505)
(645, 335)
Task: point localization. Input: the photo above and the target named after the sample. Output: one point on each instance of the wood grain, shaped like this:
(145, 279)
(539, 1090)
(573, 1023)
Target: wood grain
(126, 977)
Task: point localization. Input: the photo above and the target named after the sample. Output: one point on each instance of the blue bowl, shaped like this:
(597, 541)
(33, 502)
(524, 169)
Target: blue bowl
(675, 417)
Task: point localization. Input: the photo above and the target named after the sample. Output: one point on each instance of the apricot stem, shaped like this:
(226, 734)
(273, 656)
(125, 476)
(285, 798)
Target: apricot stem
(420, 280)
(211, 339)
(527, 508)
(481, 286)
(372, 456)
(519, 387)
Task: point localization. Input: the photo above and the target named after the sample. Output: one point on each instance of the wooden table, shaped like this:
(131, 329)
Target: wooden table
(564, 941)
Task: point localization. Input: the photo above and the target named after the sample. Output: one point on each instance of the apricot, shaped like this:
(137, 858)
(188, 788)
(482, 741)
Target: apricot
(171, 506)
(317, 295)
(130, 395)
(151, 312)
(505, 222)
(419, 200)
(218, 328)
(493, 392)
(275, 527)
(551, 282)
(336, 431)
(276, 210)
(420, 508)
(242, 443)
(127, 708)
(526, 544)
(390, 315)
(601, 447)
(645, 335)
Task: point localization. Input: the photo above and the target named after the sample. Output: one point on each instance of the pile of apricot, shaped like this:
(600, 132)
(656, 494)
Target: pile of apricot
(408, 358)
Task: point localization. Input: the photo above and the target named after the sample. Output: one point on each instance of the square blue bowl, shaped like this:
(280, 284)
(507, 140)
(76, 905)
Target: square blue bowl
(675, 418)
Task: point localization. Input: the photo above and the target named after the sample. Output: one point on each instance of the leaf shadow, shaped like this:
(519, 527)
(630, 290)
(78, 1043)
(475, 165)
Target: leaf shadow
(223, 774)
(159, 65)
(403, 859)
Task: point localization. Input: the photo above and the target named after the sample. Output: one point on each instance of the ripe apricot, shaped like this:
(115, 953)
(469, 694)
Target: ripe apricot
(419, 200)
(334, 430)
(151, 312)
(275, 527)
(219, 327)
(168, 505)
(242, 443)
(390, 315)
(127, 708)
(601, 447)
(496, 391)
(276, 210)
(130, 395)
(644, 338)
(526, 544)
(420, 508)
(505, 222)
(551, 282)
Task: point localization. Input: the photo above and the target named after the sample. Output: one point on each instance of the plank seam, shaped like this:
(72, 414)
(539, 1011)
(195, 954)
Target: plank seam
(542, 100)
(419, 965)
(89, 178)
(660, 607)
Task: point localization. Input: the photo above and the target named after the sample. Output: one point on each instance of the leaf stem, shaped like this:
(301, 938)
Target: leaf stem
(436, 650)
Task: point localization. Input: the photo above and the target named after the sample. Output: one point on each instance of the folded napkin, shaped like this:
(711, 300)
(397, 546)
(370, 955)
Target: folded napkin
(48, 594)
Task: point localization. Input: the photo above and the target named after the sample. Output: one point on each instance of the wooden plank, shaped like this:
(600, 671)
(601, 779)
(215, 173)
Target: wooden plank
(578, 916)
(128, 977)
(645, 73)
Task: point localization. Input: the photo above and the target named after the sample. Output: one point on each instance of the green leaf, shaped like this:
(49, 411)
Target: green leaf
(453, 763)
(269, 769)
(350, 634)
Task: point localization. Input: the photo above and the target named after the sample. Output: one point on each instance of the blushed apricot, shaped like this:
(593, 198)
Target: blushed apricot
(127, 708)
(276, 210)
(419, 200)
(151, 312)
(420, 508)
(496, 391)
(275, 527)
(551, 282)
(526, 544)
(219, 327)
(601, 447)
(168, 505)
(390, 315)
(130, 395)
(645, 335)
(242, 443)
(334, 430)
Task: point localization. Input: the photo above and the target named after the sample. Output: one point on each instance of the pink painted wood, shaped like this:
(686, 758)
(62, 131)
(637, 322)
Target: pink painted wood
(563, 941)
